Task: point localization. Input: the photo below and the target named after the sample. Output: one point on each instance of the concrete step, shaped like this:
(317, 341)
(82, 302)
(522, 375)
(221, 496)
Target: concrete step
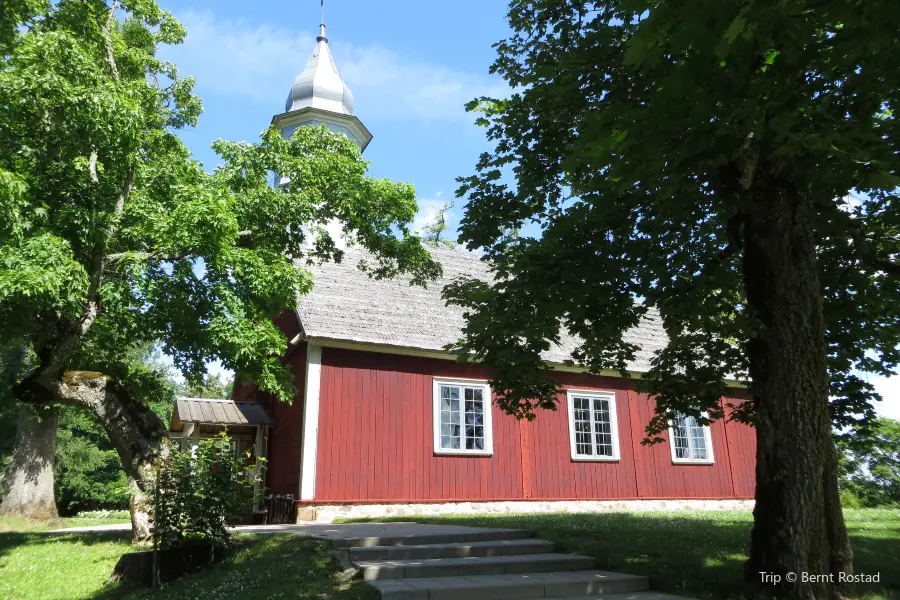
(648, 595)
(463, 535)
(472, 565)
(511, 586)
(454, 550)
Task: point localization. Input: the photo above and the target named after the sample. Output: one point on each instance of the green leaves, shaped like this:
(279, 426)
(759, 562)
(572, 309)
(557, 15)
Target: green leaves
(40, 274)
(637, 133)
(202, 491)
(107, 221)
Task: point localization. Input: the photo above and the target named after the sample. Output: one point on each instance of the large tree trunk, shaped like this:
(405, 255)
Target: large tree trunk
(134, 429)
(28, 482)
(798, 525)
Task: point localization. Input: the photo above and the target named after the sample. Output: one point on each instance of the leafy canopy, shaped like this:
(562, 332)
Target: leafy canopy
(870, 469)
(113, 236)
(634, 128)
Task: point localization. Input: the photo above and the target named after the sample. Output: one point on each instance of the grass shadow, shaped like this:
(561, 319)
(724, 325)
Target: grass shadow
(259, 566)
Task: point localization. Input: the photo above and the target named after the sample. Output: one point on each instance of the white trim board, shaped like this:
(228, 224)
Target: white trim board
(309, 450)
(443, 355)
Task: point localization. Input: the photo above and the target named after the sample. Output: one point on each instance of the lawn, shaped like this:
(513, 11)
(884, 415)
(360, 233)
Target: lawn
(39, 566)
(698, 554)
(9, 524)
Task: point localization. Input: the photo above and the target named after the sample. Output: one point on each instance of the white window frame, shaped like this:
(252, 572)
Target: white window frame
(613, 421)
(487, 423)
(707, 436)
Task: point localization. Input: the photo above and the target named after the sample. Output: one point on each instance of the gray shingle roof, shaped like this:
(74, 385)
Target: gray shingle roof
(225, 412)
(346, 305)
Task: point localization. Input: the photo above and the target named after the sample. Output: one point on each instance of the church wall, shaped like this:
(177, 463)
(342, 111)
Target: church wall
(375, 444)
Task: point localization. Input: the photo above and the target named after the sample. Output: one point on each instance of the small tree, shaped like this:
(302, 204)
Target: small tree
(200, 492)
(434, 234)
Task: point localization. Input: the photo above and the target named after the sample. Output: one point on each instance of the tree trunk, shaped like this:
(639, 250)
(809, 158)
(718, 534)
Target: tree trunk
(134, 429)
(798, 525)
(28, 482)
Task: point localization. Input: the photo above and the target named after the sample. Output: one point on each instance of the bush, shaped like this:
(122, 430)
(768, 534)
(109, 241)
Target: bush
(201, 492)
(850, 500)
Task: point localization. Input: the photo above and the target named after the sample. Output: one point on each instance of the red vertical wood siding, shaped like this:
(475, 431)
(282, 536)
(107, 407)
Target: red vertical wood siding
(376, 443)
(375, 434)
(285, 440)
(741, 444)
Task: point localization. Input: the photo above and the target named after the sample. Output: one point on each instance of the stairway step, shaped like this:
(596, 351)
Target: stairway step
(473, 565)
(647, 595)
(475, 535)
(510, 586)
(453, 550)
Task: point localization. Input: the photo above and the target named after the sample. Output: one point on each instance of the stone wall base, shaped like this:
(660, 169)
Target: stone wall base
(328, 513)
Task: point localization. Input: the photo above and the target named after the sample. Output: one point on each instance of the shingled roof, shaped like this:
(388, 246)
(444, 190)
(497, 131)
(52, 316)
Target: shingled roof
(347, 305)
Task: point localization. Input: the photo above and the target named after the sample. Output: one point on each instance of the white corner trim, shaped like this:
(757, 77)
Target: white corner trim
(487, 424)
(707, 435)
(308, 453)
(571, 394)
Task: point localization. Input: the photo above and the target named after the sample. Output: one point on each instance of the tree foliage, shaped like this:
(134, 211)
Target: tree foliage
(630, 131)
(112, 236)
(870, 467)
(728, 169)
(211, 386)
(105, 207)
(434, 234)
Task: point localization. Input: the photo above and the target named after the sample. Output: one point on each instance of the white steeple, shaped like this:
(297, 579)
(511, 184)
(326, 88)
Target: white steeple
(320, 85)
(320, 97)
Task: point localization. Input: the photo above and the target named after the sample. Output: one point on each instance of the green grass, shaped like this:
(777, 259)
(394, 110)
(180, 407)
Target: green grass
(12, 524)
(39, 566)
(699, 554)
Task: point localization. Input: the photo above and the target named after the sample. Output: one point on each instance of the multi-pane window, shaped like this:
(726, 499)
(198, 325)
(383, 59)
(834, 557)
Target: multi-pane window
(690, 440)
(462, 418)
(592, 426)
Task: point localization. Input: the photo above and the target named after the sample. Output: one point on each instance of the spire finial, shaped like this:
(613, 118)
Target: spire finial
(322, 37)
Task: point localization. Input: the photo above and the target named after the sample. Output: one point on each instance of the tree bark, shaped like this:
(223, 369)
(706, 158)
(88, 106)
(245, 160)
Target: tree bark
(798, 524)
(134, 429)
(28, 484)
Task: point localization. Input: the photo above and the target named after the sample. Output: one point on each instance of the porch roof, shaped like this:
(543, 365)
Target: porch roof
(220, 412)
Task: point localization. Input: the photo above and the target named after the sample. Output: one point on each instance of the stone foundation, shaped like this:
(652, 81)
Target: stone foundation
(328, 513)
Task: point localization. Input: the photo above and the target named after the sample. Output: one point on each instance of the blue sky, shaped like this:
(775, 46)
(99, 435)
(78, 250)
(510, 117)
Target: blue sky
(411, 67)
(410, 64)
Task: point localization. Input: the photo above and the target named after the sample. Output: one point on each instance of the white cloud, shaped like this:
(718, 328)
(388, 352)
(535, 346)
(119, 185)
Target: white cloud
(259, 62)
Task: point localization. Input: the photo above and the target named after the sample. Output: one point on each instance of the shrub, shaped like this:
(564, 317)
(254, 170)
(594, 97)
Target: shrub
(201, 492)
(850, 500)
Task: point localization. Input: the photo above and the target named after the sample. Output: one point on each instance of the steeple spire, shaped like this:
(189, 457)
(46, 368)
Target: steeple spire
(322, 37)
(319, 96)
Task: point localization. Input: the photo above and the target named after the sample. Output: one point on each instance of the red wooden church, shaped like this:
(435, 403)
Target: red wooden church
(385, 416)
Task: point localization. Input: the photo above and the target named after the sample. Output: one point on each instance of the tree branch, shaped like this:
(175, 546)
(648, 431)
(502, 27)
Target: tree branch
(110, 58)
(869, 256)
(735, 230)
(164, 256)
